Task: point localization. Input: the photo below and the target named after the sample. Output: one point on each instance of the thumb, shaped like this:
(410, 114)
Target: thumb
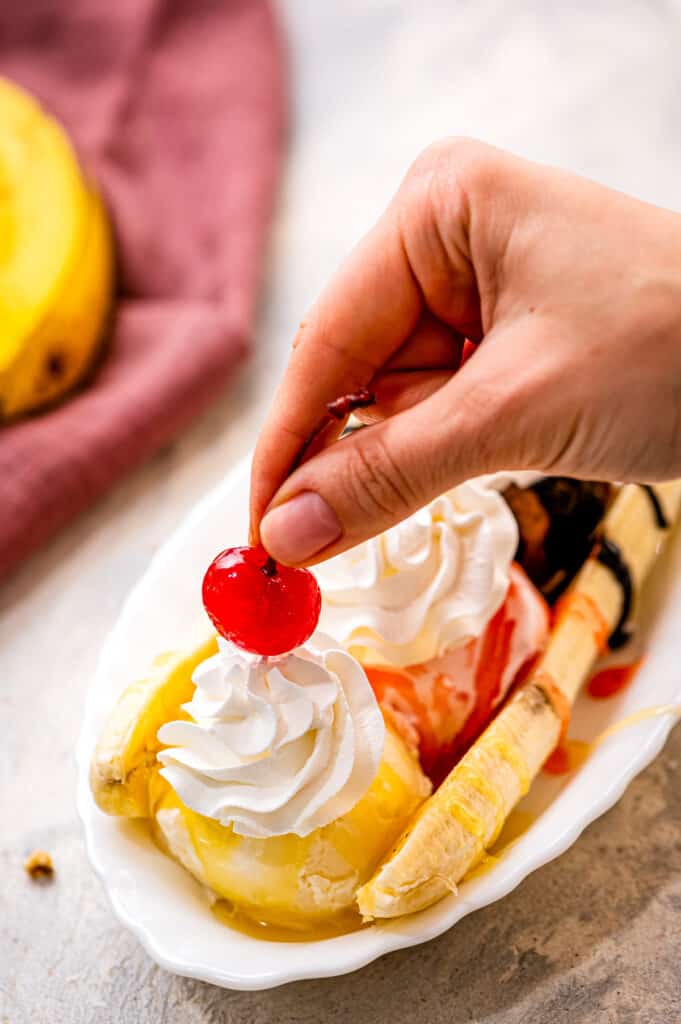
(377, 476)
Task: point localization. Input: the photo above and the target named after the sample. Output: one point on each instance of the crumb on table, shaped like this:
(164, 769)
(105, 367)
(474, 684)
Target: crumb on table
(39, 865)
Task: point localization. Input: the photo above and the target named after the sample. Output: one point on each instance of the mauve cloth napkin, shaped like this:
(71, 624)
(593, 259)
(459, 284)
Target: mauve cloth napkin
(177, 108)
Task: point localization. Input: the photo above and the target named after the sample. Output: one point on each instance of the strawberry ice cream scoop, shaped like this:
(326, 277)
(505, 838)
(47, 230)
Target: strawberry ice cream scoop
(441, 706)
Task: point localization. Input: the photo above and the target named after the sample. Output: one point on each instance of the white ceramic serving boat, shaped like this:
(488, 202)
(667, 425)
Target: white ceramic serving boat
(167, 910)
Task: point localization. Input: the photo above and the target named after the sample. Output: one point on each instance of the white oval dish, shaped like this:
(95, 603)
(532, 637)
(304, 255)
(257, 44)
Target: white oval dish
(167, 910)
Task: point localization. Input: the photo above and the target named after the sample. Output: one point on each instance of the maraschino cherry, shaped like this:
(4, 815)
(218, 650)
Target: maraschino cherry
(261, 606)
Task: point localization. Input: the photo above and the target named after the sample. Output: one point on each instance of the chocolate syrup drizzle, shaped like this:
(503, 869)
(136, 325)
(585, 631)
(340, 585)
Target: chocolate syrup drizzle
(660, 518)
(609, 555)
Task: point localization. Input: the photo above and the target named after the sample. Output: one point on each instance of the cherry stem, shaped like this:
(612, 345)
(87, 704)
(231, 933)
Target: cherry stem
(339, 409)
(343, 406)
(270, 567)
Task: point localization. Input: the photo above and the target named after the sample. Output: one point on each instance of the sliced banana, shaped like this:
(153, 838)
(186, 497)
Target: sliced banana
(454, 827)
(125, 757)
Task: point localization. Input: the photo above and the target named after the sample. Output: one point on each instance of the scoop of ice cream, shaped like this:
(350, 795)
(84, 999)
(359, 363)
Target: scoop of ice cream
(440, 707)
(275, 745)
(428, 584)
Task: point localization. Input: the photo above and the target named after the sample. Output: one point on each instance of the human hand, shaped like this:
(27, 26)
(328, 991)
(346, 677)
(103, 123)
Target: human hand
(571, 294)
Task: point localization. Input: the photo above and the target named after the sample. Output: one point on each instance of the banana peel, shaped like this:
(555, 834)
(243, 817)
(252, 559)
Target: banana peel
(56, 260)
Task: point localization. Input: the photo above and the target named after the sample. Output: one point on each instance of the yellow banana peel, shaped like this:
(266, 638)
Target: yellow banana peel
(56, 260)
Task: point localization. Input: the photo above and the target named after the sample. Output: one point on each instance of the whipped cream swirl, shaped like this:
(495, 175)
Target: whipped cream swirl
(428, 584)
(275, 745)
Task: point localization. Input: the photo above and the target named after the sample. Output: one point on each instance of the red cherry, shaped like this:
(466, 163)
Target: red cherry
(258, 604)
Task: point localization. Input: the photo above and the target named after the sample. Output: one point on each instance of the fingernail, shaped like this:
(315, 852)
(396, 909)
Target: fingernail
(298, 529)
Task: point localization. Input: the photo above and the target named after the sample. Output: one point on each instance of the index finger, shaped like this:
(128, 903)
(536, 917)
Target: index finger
(363, 316)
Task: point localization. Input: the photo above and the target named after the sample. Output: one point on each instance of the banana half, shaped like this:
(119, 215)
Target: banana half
(452, 829)
(56, 260)
(286, 881)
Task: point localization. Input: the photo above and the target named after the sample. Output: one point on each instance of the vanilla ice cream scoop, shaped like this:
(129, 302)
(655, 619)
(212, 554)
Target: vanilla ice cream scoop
(275, 745)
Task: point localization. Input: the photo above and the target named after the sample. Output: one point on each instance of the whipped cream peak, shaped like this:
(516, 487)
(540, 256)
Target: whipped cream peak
(428, 584)
(275, 745)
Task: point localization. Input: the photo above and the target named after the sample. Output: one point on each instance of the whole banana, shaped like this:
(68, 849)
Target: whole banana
(56, 260)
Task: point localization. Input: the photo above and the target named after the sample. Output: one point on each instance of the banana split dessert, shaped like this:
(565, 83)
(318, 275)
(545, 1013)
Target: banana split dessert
(346, 745)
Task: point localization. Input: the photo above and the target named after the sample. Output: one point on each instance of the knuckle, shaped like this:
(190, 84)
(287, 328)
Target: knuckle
(437, 196)
(443, 151)
(429, 159)
(456, 158)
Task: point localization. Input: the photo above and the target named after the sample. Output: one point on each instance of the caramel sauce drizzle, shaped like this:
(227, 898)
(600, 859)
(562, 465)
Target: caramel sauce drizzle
(582, 604)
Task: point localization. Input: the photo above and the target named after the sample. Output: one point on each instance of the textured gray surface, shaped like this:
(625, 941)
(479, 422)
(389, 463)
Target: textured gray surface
(594, 937)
